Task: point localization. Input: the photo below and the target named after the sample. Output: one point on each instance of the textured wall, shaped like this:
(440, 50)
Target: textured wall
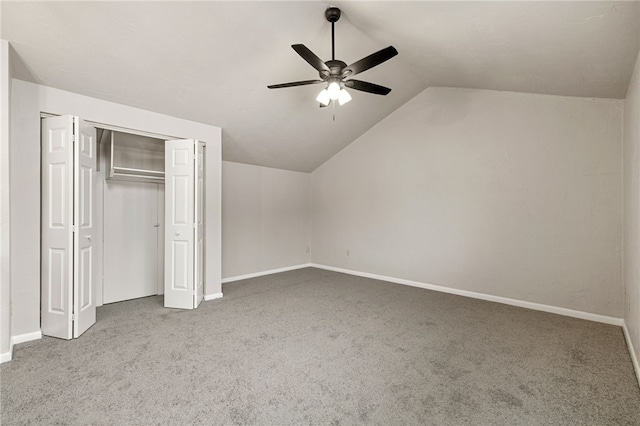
(631, 158)
(265, 219)
(507, 194)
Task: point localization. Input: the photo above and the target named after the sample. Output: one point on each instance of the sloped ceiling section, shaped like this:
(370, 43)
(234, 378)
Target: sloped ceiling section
(211, 61)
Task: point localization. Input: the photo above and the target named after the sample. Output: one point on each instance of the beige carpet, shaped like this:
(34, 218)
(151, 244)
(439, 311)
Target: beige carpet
(318, 347)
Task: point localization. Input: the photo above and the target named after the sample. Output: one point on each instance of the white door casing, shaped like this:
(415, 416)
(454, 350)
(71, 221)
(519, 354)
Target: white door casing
(68, 179)
(160, 241)
(180, 228)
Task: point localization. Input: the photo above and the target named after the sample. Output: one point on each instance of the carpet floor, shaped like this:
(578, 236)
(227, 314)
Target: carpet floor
(318, 347)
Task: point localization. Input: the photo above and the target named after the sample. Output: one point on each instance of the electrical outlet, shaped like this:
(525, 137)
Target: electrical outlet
(348, 253)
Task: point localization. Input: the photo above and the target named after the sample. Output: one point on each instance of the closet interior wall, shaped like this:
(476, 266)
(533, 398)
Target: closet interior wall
(130, 216)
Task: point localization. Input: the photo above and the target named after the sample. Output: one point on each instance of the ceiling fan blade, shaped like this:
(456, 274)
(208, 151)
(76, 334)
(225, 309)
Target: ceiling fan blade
(370, 61)
(310, 57)
(294, 83)
(365, 86)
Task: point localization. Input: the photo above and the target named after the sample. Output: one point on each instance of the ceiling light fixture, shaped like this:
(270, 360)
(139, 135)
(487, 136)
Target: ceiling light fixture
(334, 90)
(344, 97)
(336, 74)
(324, 98)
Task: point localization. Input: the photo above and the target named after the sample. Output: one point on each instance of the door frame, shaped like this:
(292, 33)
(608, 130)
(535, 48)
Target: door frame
(99, 282)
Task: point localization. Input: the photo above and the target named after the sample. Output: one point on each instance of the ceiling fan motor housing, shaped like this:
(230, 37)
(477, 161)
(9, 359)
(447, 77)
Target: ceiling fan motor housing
(335, 67)
(332, 14)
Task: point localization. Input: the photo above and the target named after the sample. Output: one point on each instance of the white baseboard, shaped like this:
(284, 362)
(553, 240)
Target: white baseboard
(632, 352)
(212, 296)
(20, 338)
(514, 302)
(269, 272)
(27, 337)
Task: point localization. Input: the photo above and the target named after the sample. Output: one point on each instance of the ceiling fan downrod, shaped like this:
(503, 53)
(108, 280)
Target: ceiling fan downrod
(333, 15)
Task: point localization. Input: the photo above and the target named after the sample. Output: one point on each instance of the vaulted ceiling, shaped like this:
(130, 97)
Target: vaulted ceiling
(211, 61)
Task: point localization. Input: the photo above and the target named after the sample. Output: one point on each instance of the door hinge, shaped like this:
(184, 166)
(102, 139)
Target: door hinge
(73, 228)
(74, 317)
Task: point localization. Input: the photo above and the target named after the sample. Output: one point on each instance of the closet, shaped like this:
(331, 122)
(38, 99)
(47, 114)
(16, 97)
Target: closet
(132, 205)
(109, 233)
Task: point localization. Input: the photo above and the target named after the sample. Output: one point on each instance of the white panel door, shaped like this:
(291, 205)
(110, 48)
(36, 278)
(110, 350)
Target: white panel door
(199, 224)
(68, 186)
(179, 277)
(84, 211)
(56, 308)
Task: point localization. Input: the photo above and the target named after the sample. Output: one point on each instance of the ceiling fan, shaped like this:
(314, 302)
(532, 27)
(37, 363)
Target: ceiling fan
(335, 73)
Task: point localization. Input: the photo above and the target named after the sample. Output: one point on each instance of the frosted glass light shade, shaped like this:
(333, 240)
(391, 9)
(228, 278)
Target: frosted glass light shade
(334, 90)
(344, 97)
(323, 97)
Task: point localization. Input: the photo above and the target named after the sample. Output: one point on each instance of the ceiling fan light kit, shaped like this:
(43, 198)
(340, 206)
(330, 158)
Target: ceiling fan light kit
(334, 73)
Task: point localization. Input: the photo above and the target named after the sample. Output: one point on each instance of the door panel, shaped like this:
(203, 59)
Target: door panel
(179, 224)
(180, 265)
(57, 232)
(84, 194)
(57, 298)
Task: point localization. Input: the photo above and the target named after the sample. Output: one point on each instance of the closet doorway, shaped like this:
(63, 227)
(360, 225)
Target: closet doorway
(132, 179)
(108, 231)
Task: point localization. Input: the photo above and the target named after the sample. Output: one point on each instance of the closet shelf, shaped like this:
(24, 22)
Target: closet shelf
(130, 173)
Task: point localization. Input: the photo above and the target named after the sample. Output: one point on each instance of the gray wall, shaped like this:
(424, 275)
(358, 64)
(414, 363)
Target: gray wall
(506, 194)
(631, 167)
(265, 219)
(5, 225)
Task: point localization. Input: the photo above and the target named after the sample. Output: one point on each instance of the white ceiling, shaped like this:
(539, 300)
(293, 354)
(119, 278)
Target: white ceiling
(211, 61)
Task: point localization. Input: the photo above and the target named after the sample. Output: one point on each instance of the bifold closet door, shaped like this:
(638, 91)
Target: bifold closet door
(184, 213)
(67, 216)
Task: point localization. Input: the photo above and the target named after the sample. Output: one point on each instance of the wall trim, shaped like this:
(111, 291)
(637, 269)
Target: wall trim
(634, 358)
(20, 338)
(482, 296)
(27, 337)
(212, 296)
(269, 272)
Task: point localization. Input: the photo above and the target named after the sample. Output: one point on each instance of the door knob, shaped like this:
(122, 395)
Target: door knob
(177, 233)
(89, 237)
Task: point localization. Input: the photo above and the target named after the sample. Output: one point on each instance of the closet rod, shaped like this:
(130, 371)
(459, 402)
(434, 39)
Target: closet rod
(138, 172)
(139, 178)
